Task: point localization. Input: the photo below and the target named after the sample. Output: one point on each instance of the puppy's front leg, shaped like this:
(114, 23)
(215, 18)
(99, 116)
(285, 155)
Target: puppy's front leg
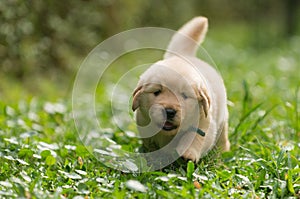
(190, 146)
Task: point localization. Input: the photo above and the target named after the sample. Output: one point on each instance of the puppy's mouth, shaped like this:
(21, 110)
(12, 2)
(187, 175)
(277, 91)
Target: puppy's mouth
(169, 126)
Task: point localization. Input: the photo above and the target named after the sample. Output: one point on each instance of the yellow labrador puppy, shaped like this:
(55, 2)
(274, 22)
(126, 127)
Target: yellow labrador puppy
(180, 101)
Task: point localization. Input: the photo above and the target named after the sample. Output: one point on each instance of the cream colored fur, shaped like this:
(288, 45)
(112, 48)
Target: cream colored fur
(189, 86)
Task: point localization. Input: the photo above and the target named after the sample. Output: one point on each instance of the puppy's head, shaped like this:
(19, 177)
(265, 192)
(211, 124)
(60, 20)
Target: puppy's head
(170, 101)
(158, 103)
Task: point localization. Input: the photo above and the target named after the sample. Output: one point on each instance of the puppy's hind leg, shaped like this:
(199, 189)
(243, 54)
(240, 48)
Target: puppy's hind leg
(223, 142)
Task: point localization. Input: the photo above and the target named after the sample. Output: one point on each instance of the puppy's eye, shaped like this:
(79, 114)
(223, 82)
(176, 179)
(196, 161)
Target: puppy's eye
(156, 93)
(184, 96)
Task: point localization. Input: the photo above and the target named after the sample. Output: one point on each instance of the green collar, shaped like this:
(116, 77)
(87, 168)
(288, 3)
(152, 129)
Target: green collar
(197, 130)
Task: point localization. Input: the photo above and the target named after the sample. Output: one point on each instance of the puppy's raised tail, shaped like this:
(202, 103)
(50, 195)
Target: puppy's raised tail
(187, 39)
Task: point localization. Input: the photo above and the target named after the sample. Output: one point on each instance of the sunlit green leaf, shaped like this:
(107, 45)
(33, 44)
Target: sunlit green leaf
(190, 170)
(50, 160)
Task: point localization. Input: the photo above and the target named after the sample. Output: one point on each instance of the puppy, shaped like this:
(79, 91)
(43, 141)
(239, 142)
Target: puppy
(180, 101)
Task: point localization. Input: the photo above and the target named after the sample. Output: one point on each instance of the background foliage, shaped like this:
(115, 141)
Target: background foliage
(49, 39)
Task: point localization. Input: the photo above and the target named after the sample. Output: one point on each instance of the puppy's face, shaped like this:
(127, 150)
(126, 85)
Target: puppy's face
(169, 103)
(158, 104)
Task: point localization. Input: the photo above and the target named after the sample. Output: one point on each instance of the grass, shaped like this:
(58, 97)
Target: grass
(41, 155)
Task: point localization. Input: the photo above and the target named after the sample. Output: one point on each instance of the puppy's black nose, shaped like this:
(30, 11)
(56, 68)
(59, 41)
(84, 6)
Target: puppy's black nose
(170, 113)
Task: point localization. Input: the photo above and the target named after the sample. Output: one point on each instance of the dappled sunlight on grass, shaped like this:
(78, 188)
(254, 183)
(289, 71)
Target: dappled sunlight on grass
(42, 156)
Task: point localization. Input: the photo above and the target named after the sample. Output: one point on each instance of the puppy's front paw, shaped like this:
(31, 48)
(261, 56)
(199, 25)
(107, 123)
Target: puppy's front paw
(191, 155)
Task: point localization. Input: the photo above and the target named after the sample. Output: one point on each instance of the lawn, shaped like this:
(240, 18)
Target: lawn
(42, 155)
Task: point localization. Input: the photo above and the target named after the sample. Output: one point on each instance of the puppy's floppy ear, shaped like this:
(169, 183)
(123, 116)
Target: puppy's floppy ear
(203, 98)
(136, 94)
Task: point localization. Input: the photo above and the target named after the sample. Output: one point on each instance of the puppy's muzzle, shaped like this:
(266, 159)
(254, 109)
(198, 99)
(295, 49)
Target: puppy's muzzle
(170, 113)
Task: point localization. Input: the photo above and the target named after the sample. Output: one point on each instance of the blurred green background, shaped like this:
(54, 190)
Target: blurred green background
(43, 43)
